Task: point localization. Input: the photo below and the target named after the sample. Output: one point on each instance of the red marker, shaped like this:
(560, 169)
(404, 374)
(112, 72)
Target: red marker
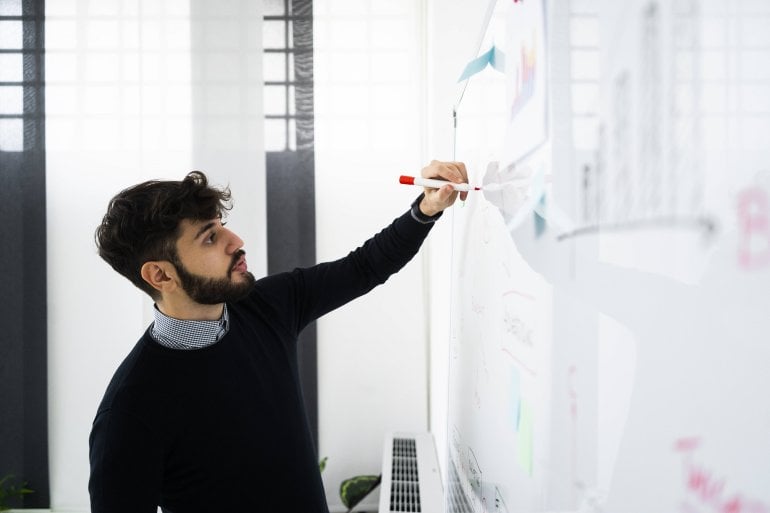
(436, 184)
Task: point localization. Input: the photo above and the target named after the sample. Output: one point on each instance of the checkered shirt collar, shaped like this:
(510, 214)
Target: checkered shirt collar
(180, 334)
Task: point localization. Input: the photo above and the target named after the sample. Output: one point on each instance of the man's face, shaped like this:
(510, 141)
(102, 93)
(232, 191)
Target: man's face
(210, 263)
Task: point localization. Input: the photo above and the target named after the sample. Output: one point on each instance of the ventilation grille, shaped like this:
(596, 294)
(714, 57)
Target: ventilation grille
(404, 485)
(457, 502)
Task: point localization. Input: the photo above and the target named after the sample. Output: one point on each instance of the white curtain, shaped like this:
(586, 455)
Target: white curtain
(135, 90)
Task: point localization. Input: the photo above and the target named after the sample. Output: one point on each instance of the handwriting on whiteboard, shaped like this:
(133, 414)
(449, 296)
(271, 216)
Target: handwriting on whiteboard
(708, 491)
(754, 226)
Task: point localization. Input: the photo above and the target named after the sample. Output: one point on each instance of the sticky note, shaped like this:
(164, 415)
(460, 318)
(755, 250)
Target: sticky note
(515, 403)
(492, 57)
(525, 438)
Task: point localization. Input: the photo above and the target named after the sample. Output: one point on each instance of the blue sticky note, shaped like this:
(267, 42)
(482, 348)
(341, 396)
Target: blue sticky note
(515, 404)
(492, 57)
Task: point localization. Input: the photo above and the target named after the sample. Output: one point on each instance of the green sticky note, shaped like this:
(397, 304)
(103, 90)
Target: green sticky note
(525, 437)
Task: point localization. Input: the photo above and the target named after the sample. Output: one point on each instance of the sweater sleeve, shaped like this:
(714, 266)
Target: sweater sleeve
(126, 465)
(324, 287)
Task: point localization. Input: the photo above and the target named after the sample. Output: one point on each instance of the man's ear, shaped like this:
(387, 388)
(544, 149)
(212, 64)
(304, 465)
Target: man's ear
(161, 275)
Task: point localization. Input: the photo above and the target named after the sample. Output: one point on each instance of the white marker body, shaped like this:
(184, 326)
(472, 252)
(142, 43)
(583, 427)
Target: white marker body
(437, 184)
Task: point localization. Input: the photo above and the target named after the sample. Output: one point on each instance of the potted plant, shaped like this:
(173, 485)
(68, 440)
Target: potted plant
(354, 489)
(9, 491)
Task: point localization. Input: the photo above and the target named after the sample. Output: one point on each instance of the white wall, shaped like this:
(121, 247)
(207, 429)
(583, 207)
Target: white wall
(121, 108)
(370, 128)
(386, 81)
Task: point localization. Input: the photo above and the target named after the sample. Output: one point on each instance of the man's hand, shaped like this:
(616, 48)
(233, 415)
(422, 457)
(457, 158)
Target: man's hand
(436, 200)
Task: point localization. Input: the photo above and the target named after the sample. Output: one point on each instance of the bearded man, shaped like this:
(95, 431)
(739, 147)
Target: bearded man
(205, 413)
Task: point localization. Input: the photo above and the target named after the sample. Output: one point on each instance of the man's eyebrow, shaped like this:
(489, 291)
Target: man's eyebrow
(203, 230)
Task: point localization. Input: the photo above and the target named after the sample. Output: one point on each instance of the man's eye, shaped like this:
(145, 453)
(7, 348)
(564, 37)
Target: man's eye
(210, 238)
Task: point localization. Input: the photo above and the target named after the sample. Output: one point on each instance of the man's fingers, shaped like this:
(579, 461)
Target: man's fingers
(458, 172)
(454, 172)
(451, 171)
(446, 192)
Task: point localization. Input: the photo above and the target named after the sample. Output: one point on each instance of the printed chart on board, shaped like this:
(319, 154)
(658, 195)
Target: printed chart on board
(610, 316)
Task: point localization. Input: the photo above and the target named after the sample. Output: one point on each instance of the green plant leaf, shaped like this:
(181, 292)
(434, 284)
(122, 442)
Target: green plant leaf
(322, 464)
(353, 490)
(10, 491)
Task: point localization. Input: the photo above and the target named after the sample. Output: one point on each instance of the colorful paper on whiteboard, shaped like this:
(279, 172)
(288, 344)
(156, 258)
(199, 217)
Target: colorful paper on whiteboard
(492, 57)
(525, 439)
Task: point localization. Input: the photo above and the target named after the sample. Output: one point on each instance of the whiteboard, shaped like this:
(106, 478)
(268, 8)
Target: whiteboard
(610, 322)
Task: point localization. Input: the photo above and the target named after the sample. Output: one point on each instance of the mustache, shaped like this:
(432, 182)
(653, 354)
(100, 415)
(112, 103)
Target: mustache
(236, 256)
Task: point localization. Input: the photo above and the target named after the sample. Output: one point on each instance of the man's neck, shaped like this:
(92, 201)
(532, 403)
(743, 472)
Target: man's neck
(190, 310)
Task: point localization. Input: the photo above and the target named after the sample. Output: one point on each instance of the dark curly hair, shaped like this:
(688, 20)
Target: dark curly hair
(142, 222)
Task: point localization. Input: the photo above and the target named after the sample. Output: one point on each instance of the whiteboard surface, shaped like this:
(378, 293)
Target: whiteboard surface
(610, 312)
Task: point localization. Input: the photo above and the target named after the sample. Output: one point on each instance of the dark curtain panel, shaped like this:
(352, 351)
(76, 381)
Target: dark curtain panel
(290, 244)
(23, 333)
(291, 171)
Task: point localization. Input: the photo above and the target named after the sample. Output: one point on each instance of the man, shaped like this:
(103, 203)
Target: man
(205, 413)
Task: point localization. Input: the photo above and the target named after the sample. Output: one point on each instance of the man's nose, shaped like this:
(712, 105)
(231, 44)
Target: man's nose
(234, 242)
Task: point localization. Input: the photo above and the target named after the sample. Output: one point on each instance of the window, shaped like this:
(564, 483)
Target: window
(20, 77)
(288, 75)
(23, 346)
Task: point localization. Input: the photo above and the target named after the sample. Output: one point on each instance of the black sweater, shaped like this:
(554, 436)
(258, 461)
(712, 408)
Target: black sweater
(223, 428)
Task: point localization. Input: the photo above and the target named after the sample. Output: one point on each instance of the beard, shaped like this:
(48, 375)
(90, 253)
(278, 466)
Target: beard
(213, 291)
